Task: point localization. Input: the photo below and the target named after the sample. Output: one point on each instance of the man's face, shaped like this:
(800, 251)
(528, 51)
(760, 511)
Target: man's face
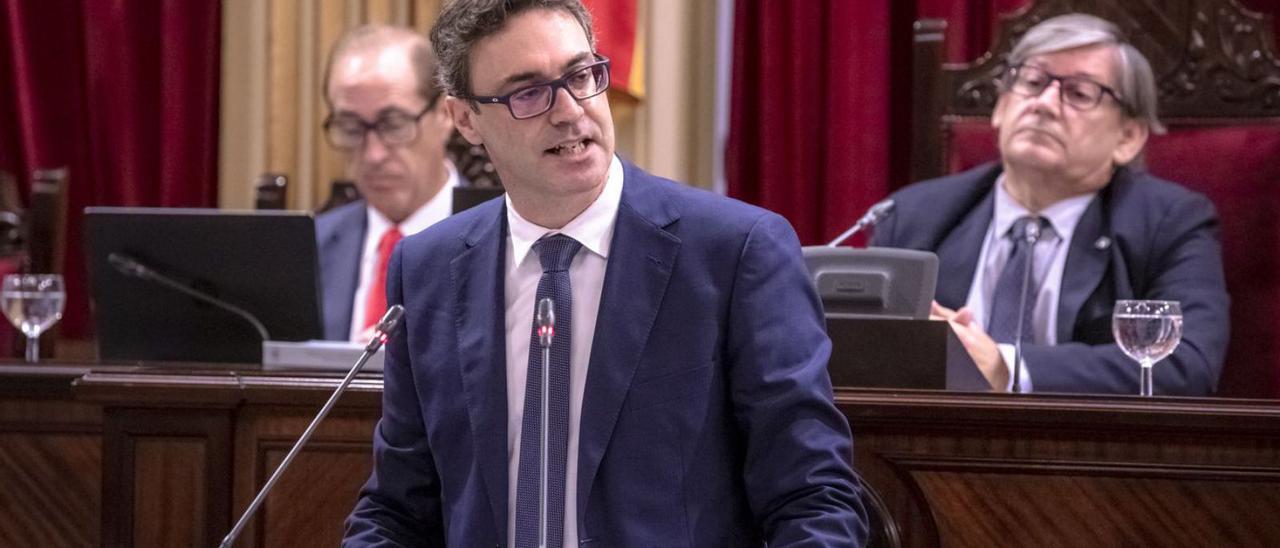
(1081, 147)
(564, 152)
(381, 85)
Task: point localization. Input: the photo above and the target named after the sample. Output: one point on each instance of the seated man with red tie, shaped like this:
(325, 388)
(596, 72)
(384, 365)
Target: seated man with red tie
(1075, 110)
(385, 116)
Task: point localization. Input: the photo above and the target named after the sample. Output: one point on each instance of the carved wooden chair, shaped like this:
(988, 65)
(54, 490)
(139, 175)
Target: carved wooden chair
(1219, 95)
(271, 191)
(473, 163)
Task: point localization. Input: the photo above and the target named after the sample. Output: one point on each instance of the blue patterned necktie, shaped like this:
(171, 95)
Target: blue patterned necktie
(556, 253)
(1003, 326)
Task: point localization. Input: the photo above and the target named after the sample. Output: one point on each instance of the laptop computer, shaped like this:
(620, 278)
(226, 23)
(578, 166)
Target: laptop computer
(190, 284)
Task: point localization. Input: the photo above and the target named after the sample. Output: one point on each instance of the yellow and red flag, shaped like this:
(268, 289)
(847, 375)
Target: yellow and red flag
(620, 37)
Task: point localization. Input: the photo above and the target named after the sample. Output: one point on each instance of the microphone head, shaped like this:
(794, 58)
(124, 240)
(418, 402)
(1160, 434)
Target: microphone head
(546, 319)
(881, 210)
(126, 265)
(391, 320)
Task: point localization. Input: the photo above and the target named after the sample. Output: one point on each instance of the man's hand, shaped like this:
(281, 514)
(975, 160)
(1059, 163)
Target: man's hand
(982, 348)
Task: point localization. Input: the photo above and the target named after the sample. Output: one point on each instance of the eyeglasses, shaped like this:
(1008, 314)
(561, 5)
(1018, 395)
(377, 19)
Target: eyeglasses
(1080, 93)
(529, 101)
(394, 128)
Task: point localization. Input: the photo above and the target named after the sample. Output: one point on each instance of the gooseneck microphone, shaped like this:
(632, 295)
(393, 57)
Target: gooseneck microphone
(874, 214)
(546, 319)
(385, 329)
(133, 268)
(1031, 236)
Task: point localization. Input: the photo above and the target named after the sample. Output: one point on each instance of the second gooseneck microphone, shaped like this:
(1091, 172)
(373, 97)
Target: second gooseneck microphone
(874, 214)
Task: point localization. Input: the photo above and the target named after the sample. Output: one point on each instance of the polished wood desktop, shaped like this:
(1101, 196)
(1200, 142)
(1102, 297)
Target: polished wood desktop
(169, 456)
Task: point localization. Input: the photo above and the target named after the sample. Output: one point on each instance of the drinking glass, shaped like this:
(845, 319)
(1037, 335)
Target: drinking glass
(1147, 331)
(33, 303)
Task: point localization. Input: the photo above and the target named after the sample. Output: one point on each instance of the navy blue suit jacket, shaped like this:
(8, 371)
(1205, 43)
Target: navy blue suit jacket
(707, 418)
(1141, 238)
(340, 234)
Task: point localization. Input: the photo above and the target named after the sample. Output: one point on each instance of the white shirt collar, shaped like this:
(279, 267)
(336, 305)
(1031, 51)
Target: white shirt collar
(593, 228)
(1063, 215)
(437, 208)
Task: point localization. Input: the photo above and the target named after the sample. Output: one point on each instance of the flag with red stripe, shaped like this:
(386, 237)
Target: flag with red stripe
(620, 37)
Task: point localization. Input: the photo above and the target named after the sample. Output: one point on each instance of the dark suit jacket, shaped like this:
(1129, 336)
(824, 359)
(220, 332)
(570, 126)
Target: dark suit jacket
(1141, 238)
(340, 234)
(707, 418)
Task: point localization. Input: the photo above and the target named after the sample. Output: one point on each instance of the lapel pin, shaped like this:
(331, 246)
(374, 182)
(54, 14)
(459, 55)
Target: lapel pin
(1102, 243)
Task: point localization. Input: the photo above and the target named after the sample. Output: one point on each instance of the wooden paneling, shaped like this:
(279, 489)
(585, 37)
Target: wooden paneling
(183, 453)
(169, 492)
(168, 471)
(247, 421)
(50, 488)
(988, 470)
(50, 459)
(324, 471)
(332, 468)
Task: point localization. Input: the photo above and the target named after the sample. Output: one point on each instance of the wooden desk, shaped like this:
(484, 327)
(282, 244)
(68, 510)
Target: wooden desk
(176, 454)
(50, 459)
(1024, 470)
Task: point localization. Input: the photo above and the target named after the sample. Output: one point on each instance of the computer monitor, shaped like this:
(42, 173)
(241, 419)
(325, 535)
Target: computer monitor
(263, 262)
(877, 282)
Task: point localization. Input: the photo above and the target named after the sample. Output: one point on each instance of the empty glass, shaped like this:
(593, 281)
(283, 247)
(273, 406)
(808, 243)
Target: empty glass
(33, 303)
(1147, 331)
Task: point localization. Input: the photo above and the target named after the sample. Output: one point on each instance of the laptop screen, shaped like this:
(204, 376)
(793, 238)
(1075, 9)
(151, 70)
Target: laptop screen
(182, 284)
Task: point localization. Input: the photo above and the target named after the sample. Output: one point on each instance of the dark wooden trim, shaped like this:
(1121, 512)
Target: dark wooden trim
(124, 427)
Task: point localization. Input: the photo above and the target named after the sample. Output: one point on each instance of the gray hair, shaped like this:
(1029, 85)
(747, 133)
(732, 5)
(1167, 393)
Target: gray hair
(371, 37)
(1135, 82)
(462, 23)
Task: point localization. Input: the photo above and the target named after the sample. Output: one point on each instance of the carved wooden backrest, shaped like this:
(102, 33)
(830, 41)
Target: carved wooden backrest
(472, 162)
(1213, 60)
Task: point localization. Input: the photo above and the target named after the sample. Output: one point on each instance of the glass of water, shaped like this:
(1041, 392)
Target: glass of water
(1148, 331)
(33, 303)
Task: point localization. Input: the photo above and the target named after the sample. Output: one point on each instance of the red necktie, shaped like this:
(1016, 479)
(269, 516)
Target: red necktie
(376, 306)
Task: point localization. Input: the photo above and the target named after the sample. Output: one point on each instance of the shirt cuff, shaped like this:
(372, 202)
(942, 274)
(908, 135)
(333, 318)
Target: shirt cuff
(1006, 352)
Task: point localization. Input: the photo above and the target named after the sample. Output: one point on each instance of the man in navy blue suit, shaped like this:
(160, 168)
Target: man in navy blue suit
(1075, 110)
(689, 402)
(386, 119)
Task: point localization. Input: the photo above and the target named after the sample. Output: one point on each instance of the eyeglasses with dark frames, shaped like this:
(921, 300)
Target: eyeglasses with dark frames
(1081, 93)
(394, 128)
(530, 101)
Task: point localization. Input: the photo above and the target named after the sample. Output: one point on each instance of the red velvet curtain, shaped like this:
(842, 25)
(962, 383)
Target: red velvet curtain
(820, 101)
(122, 93)
(809, 119)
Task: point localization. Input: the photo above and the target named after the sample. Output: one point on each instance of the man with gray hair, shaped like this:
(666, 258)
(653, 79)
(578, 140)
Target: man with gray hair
(1068, 200)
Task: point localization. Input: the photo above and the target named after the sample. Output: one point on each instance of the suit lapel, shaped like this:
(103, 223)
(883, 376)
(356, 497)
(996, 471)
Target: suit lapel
(1086, 264)
(641, 260)
(961, 247)
(476, 276)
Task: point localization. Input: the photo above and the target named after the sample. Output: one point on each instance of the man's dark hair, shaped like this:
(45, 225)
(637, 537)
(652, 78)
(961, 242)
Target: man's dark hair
(369, 37)
(462, 23)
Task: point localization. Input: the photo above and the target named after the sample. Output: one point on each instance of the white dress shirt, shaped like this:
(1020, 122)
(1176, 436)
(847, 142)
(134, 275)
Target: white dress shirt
(593, 228)
(1050, 258)
(432, 212)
